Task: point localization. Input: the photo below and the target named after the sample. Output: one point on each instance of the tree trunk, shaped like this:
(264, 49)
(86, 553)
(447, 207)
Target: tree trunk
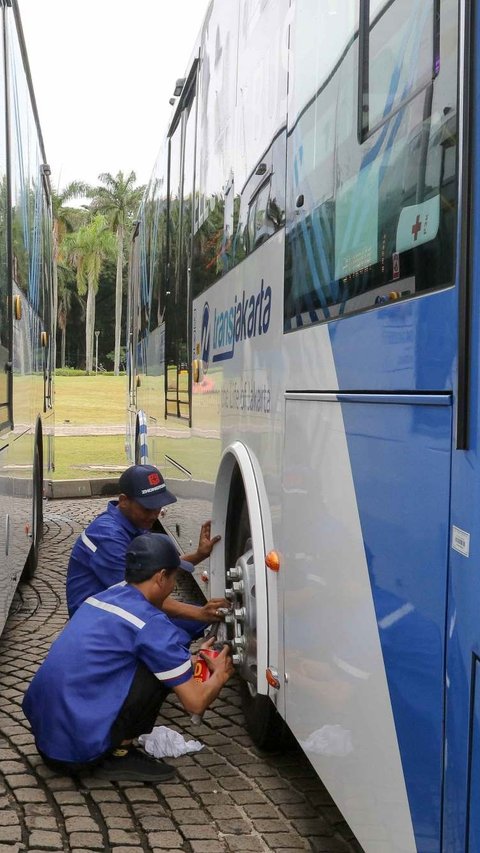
(89, 328)
(55, 289)
(118, 299)
(63, 344)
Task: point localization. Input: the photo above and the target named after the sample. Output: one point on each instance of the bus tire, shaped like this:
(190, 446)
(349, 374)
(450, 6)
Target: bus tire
(264, 724)
(37, 518)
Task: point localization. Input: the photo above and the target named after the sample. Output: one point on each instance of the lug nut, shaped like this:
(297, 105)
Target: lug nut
(237, 659)
(234, 573)
(240, 613)
(229, 593)
(239, 642)
(238, 586)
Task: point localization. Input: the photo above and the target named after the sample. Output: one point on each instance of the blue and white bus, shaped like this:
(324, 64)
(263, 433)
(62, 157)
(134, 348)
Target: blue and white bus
(26, 314)
(304, 358)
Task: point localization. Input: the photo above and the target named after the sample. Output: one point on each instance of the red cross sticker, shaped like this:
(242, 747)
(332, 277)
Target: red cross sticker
(416, 227)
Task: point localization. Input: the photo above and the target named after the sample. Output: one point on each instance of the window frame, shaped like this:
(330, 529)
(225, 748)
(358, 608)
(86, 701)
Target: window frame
(364, 129)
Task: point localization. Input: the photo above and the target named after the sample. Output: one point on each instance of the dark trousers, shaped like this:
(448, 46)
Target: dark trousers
(136, 717)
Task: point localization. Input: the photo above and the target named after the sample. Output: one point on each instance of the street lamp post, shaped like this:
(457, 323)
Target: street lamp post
(96, 351)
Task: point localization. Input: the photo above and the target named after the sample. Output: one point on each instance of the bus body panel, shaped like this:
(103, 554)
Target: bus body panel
(365, 689)
(6, 520)
(251, 408)
(323, 340)
(27, 323)
(461, 818)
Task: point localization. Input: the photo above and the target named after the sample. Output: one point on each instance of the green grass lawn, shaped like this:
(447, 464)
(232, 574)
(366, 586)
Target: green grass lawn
(87, 400)
(90, 399)
(86, 457)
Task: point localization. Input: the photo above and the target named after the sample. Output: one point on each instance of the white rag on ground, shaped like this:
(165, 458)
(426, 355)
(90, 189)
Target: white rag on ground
(163, 742)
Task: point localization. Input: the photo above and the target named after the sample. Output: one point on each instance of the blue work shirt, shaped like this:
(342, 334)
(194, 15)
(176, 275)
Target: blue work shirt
(98, 561)
(78, 691)
(98, 557)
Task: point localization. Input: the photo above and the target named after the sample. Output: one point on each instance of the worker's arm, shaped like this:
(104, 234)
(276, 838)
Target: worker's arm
(196, 696)
(207, 613)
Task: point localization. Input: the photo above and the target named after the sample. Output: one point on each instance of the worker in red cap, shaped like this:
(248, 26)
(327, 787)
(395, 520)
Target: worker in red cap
(98, 557)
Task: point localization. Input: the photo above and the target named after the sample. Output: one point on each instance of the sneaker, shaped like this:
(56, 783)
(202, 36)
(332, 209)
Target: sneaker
(131, 765)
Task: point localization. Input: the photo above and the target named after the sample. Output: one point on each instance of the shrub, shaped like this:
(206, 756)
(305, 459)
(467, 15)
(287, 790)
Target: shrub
(73, 371)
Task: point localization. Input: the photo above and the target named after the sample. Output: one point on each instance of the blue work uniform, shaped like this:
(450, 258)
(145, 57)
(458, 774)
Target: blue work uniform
(77, 693)
(98, 557)
(98, 561)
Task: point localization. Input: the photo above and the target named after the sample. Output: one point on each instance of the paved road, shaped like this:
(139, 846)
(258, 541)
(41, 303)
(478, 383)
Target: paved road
(228, 797)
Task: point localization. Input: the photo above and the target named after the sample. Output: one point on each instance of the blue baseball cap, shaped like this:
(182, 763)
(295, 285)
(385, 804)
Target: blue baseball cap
(155, 551)
(145, 485)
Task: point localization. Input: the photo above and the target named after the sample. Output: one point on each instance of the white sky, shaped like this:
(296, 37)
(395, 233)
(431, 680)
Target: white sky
(103, 72)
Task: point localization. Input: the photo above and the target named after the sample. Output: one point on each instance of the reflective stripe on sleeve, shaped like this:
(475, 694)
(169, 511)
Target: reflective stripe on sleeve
(174, 673)
(117, 611)
(88, 542)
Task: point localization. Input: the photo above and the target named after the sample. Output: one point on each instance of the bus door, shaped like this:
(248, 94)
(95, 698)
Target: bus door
(366, 491)
(180, 232)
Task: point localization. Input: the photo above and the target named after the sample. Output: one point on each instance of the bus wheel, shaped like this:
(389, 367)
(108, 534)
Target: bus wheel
(37, 519)
(263, 722)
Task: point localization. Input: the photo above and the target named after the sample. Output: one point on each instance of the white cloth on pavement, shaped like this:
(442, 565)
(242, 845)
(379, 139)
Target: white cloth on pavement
(163, 742)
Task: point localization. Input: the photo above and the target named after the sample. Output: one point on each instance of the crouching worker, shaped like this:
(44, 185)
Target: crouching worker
(105, 677)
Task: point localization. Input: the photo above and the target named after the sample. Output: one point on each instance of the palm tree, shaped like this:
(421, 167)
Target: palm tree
(86, 250)
(64, 220)
(66, 297)
(118, 199)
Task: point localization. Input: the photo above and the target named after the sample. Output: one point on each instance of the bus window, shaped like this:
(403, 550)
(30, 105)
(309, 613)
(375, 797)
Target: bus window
(261, 203)
(261, 223)
(262, 229)
(373, 221)
(215, 204)
(399, 52)
(180, 224)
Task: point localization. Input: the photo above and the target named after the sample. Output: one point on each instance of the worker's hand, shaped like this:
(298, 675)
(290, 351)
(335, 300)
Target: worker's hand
(222, 665)
(206, 541)
(212, 610)
(205, 544)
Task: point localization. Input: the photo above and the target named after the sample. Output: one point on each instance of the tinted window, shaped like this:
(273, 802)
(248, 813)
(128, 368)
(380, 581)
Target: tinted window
(371, 222)
(399, 42)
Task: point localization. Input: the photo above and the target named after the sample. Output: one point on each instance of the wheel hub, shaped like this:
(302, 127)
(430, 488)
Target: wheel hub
(242, 621)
